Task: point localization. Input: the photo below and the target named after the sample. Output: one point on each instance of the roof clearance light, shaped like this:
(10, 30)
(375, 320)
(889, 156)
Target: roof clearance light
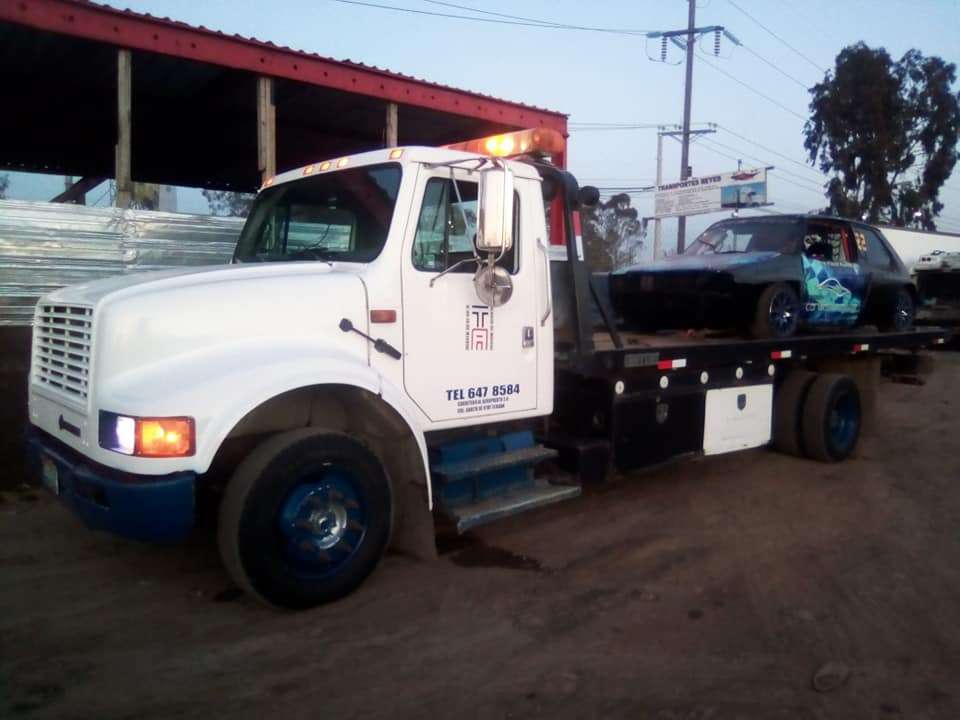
(396, 154)
(542, 141)
(308, 170)
(342, 162)
(324, 166)
(269, 181)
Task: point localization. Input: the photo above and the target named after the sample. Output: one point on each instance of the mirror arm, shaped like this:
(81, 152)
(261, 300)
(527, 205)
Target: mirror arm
(452, 268)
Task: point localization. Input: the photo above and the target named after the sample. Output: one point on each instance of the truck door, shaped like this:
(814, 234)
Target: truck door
(834, 284)
(463, 360)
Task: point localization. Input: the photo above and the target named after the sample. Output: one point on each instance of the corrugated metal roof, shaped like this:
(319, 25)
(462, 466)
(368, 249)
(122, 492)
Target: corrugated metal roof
(268, 45)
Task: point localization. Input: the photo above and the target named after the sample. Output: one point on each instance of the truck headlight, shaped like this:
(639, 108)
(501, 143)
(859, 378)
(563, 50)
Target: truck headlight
(147, 437)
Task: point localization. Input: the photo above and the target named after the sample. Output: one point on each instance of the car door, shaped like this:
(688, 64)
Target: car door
(834, 285)
(884, 274)
(466, 362)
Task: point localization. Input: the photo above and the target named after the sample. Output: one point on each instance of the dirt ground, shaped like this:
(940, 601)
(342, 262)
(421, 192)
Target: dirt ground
(710, 589)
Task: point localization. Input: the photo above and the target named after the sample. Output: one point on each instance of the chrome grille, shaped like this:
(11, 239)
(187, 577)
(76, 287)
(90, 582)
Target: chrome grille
(63, 335)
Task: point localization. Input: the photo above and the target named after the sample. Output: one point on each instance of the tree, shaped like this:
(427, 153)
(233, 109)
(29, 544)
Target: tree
(612, 234)
(228, 202)
(887, 133)
(4, 184)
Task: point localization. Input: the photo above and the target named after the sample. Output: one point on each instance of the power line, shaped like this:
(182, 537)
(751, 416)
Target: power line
(549, 23)
(775, 67)
(537, 24)
(804, 165)
(761, 160)
(786, 180)
(777, 37)
(740, 82)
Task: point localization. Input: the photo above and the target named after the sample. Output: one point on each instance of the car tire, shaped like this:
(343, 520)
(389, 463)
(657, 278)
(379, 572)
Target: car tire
(777, 312)
(831, 418)
(305, 518)
(788, 412)
(901, 312)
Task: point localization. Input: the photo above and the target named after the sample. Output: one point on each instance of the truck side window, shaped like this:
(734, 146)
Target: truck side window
(447, 227)
(877, 254)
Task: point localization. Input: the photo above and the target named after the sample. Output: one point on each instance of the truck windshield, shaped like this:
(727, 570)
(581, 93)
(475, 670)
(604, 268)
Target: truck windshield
(343, 216)
(774, 234)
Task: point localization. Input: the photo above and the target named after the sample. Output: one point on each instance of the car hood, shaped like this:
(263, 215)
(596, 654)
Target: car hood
(708, 262)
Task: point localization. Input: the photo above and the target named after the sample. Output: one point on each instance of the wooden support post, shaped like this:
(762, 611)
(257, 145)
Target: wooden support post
(266, 129)
(122, 151)
(392, 130)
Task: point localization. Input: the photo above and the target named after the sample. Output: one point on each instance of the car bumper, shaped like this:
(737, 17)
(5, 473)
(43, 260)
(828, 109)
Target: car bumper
(159, 509)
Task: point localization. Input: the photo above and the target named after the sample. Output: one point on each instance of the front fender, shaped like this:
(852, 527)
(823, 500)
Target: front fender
(219, 388)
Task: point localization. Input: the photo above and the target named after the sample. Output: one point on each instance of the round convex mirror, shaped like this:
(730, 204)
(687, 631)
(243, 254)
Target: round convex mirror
(493, 284)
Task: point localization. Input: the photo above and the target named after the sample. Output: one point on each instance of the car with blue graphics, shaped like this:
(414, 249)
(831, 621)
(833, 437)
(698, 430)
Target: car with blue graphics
(771, 277)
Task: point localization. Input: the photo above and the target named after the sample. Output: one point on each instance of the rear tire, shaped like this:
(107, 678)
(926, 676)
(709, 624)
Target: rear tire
(777, 312)
(305, 518)
(901, 314)
(788, 412)
(831, 418)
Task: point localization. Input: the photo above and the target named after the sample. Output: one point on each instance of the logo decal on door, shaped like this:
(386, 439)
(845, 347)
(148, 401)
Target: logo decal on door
(479, 328)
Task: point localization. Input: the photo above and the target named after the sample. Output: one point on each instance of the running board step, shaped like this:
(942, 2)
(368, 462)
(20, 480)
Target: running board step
(538, 495)
(523, 457)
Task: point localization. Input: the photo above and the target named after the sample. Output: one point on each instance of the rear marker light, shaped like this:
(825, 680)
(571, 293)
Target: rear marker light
(781, 354)
(674, 364)
(861, 348)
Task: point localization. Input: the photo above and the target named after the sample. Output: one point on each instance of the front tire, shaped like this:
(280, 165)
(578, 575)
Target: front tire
(305, 518)
(777, 312)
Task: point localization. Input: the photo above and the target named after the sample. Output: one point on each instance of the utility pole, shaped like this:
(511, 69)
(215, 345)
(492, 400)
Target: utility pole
(687, 93)
(657, 224)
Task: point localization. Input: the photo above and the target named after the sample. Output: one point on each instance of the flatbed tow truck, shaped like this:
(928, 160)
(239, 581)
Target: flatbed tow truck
(403, 337)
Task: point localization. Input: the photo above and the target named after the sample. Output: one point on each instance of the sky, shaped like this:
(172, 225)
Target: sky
(755, 94)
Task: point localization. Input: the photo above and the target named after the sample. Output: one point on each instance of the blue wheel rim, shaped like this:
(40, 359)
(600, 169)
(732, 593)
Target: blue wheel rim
(844, 422)
(783, 313)
(322, 521)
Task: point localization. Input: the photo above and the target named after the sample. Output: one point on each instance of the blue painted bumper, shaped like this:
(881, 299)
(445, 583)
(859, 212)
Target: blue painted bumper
(157, 509)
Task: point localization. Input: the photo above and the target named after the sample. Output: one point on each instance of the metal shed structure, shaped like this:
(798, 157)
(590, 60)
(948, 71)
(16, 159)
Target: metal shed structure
(98, 93)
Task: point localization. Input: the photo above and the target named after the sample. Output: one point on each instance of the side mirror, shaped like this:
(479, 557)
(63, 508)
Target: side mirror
(495, 212)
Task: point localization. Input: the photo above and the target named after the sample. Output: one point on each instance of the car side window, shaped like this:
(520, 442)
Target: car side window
(828, 242)
(447, 227)
(872, 248)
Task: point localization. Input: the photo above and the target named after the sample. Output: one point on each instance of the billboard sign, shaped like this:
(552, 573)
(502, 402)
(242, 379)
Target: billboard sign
(712, 193)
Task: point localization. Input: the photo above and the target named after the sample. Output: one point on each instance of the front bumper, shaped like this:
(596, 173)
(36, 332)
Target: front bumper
(155, 508)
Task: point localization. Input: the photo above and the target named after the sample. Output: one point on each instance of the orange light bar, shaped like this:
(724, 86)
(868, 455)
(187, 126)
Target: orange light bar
(540, 141)
(165, 437)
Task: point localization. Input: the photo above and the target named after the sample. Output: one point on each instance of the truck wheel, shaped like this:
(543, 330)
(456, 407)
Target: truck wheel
(831, 418)
(777, 313)
(900, 316)
(305, 518)
(788, 411)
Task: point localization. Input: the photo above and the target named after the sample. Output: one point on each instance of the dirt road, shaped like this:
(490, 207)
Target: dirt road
(710, 589)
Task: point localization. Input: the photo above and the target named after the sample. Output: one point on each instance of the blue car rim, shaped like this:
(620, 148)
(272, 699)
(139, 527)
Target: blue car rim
(783, 313)
(844, 422)
(322, 521)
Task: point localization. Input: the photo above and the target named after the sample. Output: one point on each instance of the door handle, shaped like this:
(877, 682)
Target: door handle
(546, 283)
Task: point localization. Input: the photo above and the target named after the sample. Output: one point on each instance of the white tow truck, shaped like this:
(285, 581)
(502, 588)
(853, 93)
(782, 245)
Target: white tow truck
(401, 338)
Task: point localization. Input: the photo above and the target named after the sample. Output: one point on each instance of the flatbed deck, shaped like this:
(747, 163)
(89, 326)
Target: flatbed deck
(704, 350)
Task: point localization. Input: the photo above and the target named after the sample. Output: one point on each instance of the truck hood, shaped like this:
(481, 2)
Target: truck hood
(710, 262)
(146, 319)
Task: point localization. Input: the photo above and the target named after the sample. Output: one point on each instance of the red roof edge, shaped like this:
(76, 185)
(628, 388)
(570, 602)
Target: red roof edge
(128, 29)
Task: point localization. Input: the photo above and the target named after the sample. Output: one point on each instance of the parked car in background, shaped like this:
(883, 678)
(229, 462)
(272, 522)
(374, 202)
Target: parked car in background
(772, 277)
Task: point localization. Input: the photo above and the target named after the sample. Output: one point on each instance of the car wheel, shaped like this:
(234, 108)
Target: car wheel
(305, 518)
(777, 312)
(788, 411)
(831, 419)
(901, 314)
